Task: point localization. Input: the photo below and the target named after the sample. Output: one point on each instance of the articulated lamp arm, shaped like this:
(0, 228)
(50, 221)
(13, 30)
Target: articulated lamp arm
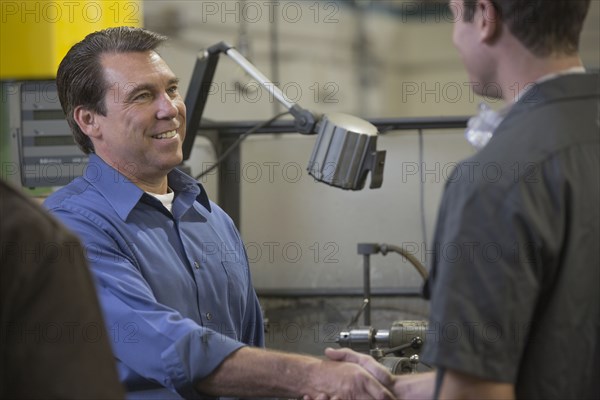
(346, 146)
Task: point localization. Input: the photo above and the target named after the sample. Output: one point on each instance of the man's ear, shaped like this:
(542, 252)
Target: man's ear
(87, 121)
(488, 21)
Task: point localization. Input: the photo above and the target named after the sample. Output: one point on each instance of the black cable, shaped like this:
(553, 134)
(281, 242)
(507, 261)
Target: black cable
(240, 140)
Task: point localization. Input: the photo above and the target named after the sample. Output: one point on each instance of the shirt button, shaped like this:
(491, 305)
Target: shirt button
(208, 316)
(196, 265)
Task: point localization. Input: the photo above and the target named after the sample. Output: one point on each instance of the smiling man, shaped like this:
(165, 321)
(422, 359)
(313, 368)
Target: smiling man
(171, 270)
(142, 129)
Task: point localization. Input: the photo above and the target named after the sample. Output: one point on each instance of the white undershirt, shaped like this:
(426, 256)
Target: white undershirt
(165, 199)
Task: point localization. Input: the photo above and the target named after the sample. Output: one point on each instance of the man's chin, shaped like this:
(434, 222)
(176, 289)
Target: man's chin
(173, 163)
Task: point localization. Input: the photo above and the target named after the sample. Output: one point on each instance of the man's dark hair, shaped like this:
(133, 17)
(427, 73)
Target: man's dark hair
(80, 77)
(544, 27)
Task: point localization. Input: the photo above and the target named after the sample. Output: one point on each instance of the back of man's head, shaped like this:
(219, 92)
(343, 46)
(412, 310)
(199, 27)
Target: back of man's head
(545, 27)
(80, 78)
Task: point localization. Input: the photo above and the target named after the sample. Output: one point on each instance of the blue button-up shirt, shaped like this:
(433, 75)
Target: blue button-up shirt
(175, 288)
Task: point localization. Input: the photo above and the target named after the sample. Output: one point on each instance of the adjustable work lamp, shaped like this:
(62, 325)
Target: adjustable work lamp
(346, 146)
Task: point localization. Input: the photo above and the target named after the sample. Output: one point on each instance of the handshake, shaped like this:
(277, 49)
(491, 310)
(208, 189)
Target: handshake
(346, 374)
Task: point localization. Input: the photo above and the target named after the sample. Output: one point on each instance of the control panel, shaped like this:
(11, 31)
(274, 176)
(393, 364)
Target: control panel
(43, 150)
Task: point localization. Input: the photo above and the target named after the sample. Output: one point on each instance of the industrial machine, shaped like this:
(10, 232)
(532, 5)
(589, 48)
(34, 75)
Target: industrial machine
(396, 348)
(40, 137)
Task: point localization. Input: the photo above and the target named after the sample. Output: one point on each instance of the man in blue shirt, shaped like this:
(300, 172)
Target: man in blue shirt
(171, 270)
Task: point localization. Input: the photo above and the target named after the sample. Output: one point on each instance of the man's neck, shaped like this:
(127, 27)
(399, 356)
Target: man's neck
(152, 187)
(157, 184)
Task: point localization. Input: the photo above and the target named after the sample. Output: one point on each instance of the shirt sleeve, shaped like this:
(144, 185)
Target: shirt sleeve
(254, 329)
(484, 281)
(150, 338)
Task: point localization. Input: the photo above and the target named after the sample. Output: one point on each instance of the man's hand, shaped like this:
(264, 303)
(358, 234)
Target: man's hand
(367, 362)
(367, 376)
(340, 380)
(412, 386)
(254, 372)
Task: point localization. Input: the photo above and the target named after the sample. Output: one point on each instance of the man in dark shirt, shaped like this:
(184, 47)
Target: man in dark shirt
(515, 275)
(53, 341)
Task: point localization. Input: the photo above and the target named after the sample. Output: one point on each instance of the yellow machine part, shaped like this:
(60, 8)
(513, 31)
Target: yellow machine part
(35, 35)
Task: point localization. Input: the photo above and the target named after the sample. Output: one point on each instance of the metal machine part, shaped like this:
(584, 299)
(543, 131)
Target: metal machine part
(396, 348)
(364, 339)
(400, 365)
(366, 250)
(400, 338)
(345, 151)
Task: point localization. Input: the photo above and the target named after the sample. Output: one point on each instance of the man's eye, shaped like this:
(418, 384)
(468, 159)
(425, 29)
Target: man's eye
(142, 96)
(173, 90)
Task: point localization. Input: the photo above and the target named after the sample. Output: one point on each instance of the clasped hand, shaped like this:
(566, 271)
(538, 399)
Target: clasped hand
(348, 375)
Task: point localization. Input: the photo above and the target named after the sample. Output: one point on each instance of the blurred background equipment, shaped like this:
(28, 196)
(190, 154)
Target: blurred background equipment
(346, 146)
(397, 348)
(36, 145)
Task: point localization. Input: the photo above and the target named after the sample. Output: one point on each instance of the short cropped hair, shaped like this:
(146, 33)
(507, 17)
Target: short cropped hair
(80, 78)
(544, 27)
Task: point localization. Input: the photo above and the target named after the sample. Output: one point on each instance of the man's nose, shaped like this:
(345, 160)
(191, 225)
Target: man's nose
(167, 107)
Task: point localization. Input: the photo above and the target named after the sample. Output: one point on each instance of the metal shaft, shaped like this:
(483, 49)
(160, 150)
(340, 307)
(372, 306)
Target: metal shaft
(367, 287)
(260, 78)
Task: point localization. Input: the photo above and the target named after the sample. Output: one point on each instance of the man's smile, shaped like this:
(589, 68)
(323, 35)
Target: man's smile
(166, 135)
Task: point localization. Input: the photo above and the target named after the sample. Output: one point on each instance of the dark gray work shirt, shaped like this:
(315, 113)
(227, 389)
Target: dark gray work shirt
(515, 284)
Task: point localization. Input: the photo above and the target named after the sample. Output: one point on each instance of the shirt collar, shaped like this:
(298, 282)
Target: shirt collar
(547, 77)
(123, 195)
(481, 127)
(183, 183)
